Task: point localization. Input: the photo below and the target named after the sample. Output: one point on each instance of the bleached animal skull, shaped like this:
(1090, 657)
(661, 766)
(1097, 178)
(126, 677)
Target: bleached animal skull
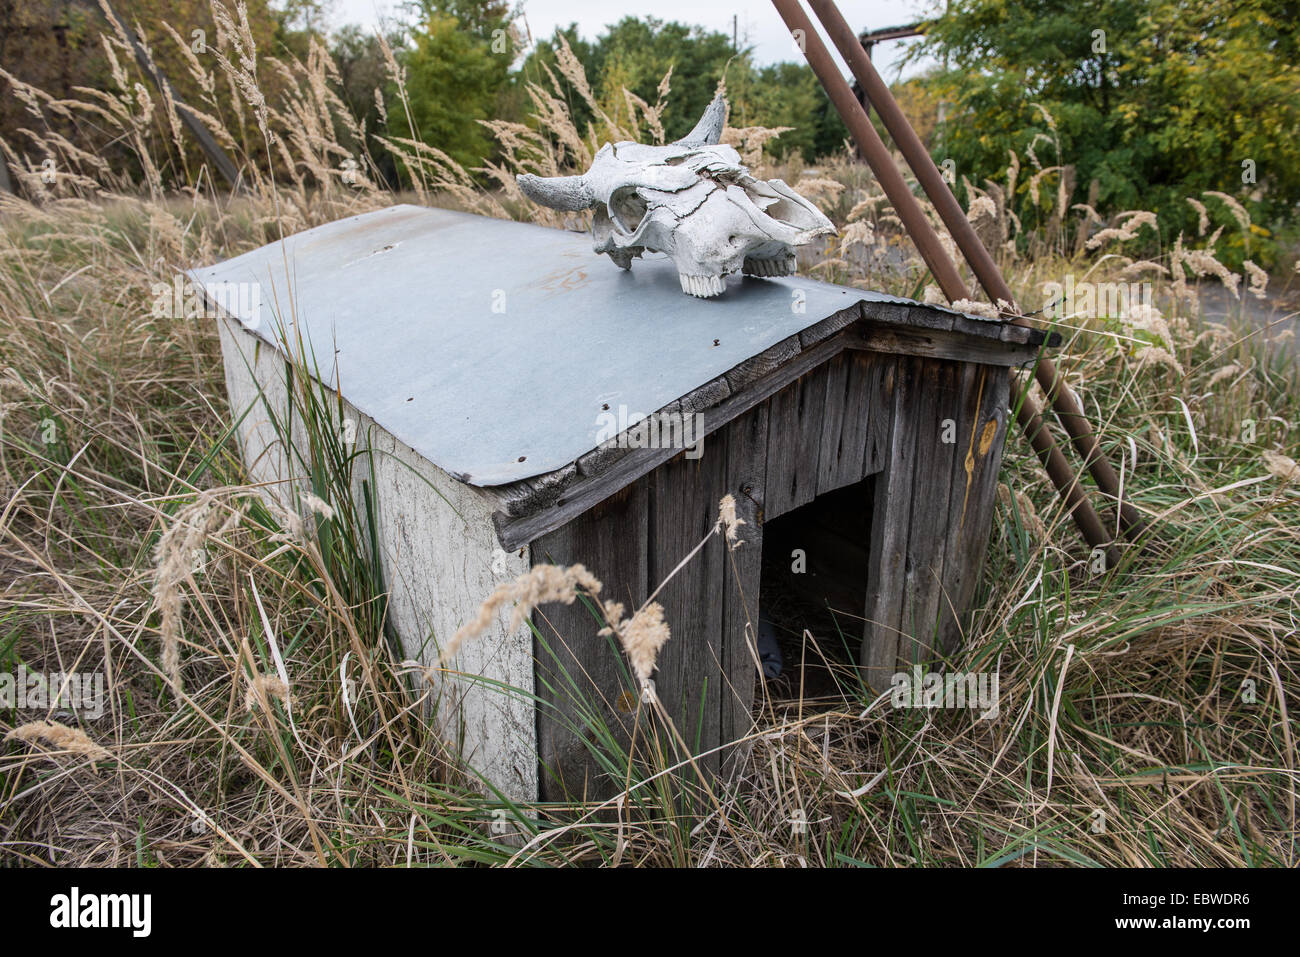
(694, 201)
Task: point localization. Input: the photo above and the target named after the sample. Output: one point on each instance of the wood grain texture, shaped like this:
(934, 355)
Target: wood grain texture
(706, 672)
(951, 611)
(742, 575)
(440, 561)
(684, 496)
(531, 494)
(751, 370)
(877, 371)
(938, 344)
(794, 432)
(833, 324)
(850, 427)
(982, 428)
(933, 416)
(835, 425)
(890, 526)
(585, 695)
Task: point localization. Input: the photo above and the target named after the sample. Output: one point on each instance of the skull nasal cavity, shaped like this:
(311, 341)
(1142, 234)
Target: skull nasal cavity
(626, 208)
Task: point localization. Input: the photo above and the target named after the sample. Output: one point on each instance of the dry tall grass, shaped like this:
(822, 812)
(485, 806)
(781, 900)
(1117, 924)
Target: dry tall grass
(258, 716)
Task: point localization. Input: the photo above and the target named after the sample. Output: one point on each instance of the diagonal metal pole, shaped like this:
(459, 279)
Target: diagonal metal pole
(1063, 401)
(932, 252)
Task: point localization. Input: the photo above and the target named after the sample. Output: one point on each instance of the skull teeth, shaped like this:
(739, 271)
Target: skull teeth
(769, 267)
(703, 286)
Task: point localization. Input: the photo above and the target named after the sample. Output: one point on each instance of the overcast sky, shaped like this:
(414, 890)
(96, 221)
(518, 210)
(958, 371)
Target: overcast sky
(757, 20)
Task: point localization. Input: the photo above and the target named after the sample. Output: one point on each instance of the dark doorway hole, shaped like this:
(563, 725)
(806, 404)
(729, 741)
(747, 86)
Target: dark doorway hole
(817, 614)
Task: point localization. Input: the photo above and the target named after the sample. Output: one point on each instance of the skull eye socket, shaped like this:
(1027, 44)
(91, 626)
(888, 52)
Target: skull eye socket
(785, 211)
(626, 208)
(777, 207)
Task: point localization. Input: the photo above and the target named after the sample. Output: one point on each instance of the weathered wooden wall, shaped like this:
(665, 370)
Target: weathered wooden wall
(632, 541)
(933, 508)
(438, 554)
(914, 422)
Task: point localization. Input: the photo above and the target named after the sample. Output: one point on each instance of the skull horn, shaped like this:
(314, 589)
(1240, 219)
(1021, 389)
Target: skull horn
(708, 131)
(568, 193)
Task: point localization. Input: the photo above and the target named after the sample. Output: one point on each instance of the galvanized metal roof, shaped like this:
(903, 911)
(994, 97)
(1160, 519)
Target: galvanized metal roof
(492, 347)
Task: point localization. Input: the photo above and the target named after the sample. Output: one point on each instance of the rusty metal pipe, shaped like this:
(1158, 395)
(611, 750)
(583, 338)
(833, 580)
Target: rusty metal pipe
(932, 252)
(873, 147)
(1067, 408)
(1065, 480)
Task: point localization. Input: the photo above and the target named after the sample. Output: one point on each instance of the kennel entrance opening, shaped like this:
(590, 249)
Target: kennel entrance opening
(814, 591)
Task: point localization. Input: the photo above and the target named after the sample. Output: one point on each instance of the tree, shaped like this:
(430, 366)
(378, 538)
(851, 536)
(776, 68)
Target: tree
(1156, 100)
(457, 72)
(363, 73)
(636, 53)
(56, 46)
(785, 94)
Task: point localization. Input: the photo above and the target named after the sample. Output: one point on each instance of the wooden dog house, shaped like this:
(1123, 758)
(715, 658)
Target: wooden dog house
(483, 362)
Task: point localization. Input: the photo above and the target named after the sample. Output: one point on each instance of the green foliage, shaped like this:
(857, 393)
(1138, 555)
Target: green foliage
(457, 71)
(1155, 100)
(358, 56)
(785, 94)
(543, 63)
(636, 53)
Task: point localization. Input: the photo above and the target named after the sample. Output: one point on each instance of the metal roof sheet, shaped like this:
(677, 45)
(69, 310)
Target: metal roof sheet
(492, 347)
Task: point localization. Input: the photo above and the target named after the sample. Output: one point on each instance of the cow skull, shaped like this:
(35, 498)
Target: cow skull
(692, 200)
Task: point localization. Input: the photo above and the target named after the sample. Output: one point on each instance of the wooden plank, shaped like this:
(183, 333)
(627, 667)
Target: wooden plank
(751, 370)
(890, 520)
(979, 328)
(850, 416)
(742, 575)
(835, 323)
(707, 670)
(530, 494)
(581, 677)
(877, 375)
(933, 417)
(706, 396)
(924, 316)
(890, 313)
(835, 422)
(596, 462)
(937, 344)
(684, 496)
(1020, 335)
(982, 429)
(794, 444)
(439, 561)
(969, 392)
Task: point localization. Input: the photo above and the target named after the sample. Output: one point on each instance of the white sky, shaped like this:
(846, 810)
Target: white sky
(757, 20)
